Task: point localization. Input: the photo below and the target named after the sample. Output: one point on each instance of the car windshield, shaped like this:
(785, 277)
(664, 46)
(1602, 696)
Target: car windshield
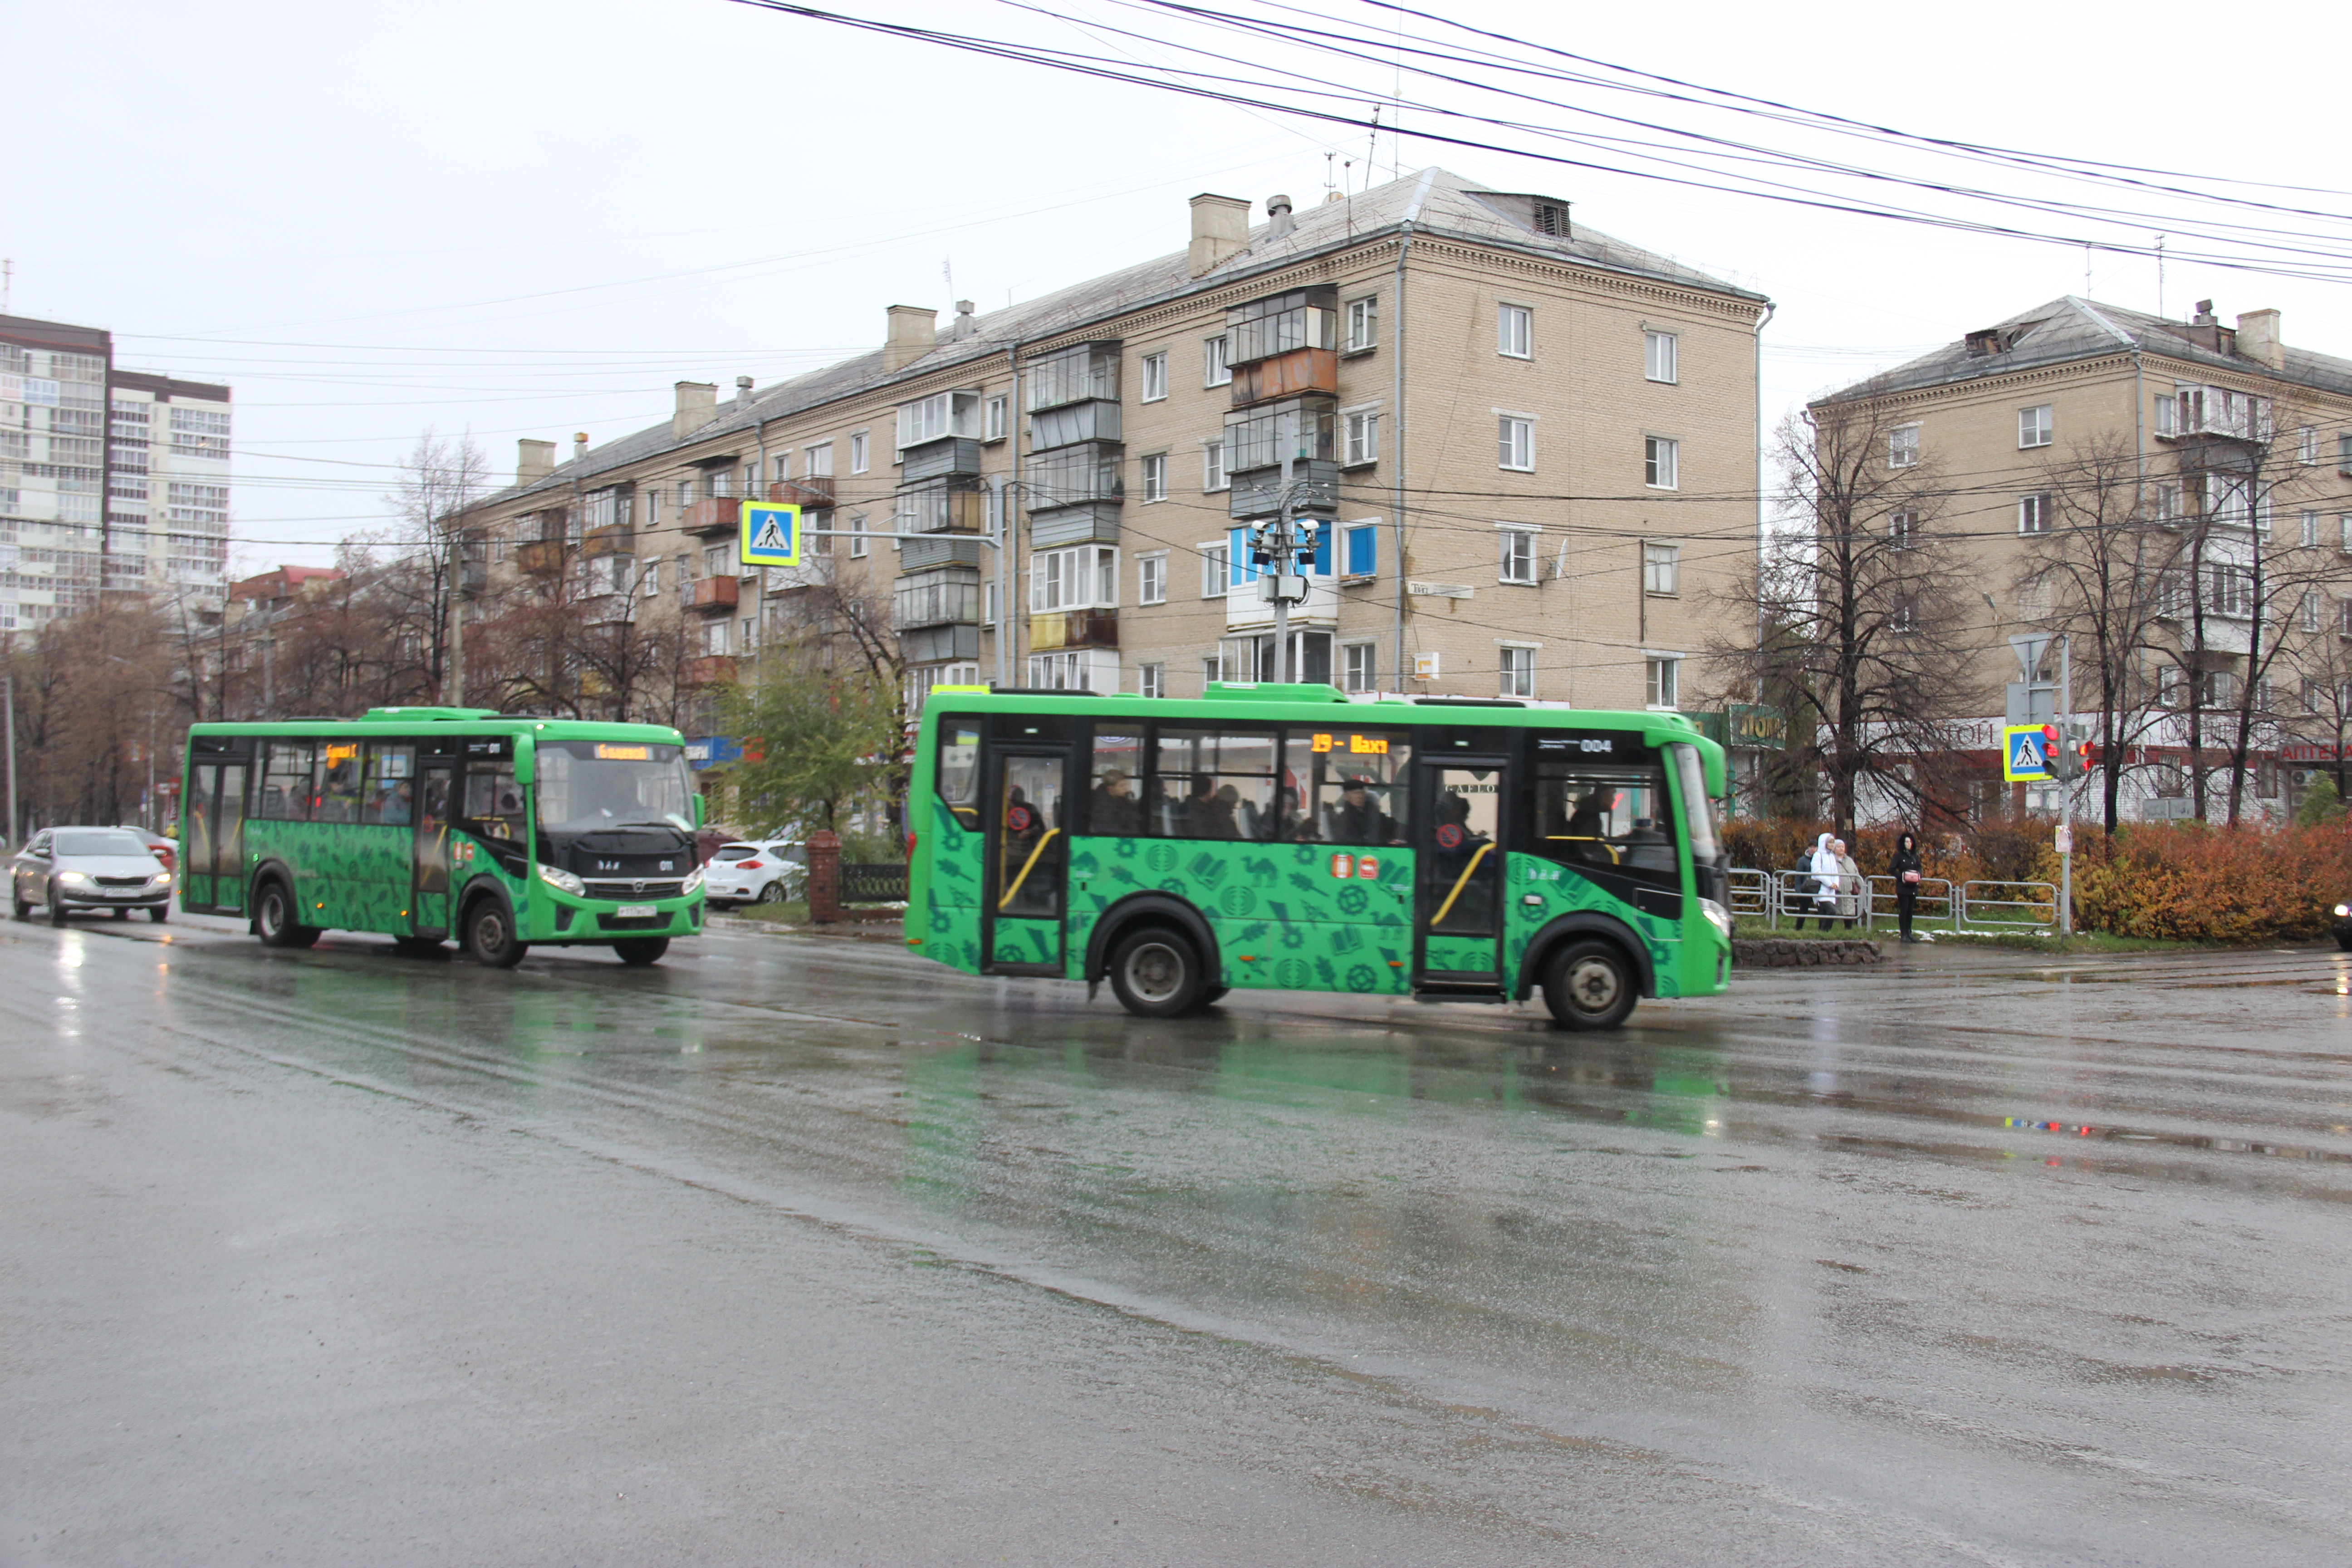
(102, 841)
(584, 785)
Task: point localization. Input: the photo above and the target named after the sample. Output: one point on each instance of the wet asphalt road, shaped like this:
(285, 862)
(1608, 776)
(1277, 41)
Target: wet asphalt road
(805, 1252)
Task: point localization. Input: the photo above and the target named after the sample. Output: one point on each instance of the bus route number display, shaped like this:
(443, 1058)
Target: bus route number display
(1355, 745)
(608, 753)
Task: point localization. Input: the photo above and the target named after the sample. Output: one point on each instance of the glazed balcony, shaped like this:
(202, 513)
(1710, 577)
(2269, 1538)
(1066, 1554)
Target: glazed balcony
(1292, 375)
(618, 539)
(1072, 628)
(540, 557)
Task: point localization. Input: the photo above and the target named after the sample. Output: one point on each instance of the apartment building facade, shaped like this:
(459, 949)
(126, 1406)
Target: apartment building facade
(1528, 449)
(111, 480)
(2234, 447)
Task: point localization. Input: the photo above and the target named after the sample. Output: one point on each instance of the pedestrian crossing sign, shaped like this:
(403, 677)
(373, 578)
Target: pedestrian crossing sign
(2022, 758)
(770, 534)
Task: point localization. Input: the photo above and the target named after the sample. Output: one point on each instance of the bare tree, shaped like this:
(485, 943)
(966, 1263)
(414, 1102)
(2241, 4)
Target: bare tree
(2103, 567)
(440, 479)
(1864, 630)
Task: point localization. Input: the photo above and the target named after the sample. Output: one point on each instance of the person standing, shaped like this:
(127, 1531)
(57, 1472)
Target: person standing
(1908, 873)
(1824, 869)
(1851, 890)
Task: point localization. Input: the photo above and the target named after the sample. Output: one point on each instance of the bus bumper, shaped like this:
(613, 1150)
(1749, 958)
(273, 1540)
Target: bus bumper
(556, 918)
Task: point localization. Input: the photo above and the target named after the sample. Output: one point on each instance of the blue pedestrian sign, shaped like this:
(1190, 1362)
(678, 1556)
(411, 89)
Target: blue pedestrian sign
(770, 534)
(2023, 757)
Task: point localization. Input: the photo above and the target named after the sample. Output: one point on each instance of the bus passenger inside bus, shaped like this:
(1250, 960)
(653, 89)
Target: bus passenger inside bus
(1604, 814)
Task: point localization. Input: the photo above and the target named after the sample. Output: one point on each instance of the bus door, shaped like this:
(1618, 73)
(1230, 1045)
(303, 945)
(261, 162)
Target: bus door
(1027, 813)
(214, 859)
(1457, 836)
(429, 852)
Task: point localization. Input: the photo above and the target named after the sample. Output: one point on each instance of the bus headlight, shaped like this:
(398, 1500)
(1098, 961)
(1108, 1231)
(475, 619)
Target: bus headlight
(1716, 916)
(692, 885)
(555, 877)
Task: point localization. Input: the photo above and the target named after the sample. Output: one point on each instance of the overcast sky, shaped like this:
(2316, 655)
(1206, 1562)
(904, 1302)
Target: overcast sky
(519, 220)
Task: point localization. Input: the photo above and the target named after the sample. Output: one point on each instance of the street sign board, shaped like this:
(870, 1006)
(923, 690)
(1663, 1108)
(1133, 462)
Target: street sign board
(2021, 756)
(770, 534)
(2065, 838)
(2029, 647)
(2032, 702)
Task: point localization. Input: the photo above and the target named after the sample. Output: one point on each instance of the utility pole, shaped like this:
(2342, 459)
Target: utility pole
(2066, 798)
(453, 688)
(1275, 545)
(7, 649)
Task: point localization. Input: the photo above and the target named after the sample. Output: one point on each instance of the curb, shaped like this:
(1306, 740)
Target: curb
(1780, 953)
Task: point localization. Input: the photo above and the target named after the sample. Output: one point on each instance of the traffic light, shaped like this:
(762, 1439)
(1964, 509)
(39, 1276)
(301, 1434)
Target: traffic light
(2067, 756)
(2054, 750)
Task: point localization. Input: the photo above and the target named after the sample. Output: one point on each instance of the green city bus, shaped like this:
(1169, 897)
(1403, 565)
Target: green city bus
(1290, 838)
(422, 823)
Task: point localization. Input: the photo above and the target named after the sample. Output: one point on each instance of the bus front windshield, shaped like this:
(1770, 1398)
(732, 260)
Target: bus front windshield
(588, 786)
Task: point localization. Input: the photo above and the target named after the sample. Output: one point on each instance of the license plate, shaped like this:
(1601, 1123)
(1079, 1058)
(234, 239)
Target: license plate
(636, 911)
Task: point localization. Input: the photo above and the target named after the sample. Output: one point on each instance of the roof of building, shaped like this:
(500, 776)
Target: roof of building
(1435, 201)
(285, 579)
(2072, 327)
(168, 387)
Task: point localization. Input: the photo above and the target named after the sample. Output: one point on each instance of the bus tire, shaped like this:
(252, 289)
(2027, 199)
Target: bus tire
(273, 917)
(489, 935)
(1156, 973)
(1591, 984)
(640, 951)
(1213, 994)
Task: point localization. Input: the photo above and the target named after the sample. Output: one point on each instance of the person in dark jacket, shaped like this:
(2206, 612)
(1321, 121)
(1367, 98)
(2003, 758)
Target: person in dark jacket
(1909, 874)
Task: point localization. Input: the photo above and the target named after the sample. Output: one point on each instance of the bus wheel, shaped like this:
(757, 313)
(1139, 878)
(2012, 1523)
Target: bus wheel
(1156, 974)
(1590, 985)
(274, 922)
(642, 949)
(1213, 994)
(489, 935)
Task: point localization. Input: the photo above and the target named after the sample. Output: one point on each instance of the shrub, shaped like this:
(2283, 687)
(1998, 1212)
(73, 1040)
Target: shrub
(2189, 881)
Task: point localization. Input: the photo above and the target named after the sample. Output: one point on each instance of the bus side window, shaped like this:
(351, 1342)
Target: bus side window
(493, 800)
(389, 794)
(1609, 815)
(959, 769)
(339, 782)
(286, 782)
(1214, 783)
(1115, 795)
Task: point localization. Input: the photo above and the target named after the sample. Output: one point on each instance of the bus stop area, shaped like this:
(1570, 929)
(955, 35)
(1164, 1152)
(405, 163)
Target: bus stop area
(804, 1250)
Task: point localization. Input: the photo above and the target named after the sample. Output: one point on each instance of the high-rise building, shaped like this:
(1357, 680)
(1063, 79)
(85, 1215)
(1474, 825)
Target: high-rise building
(112, 481)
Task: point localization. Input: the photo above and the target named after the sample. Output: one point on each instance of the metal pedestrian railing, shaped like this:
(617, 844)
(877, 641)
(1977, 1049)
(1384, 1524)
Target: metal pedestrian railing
(1986, 906)
(1750, 892)
(2026, 908)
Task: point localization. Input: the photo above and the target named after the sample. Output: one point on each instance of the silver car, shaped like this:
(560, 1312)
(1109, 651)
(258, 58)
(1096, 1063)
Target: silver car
(69, 868)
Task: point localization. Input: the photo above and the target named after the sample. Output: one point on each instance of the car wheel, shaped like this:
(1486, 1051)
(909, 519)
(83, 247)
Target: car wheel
(2342, 939)
(57, 907)
(489, 935)
(273, 917)
(22, 911)
(772, 892)
(1155, 974)
(1590, 985)
(121, 912)
(640, 951)
(159, 913)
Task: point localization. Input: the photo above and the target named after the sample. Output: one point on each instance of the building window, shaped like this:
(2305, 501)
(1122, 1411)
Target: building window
(2033, 514)
(1519, 671)
(2307, 612)
(1661, 462)
(1360, 550)
(1514, 331)
(1358, 670)
(1902, 529)
(1518, 554)
(1213, 561)
(1155, 377)
(1082, 578)
(2167, 414)
(1902, 446)
(2310, 531)
(1213, 668)
(1151, 579)
(941, 413)
(2033, 426)
(1155, 477)
(820, 460)
(1363, 440)
(1658, 356)
(780, 469)
(1151, 680)
(1363, 324)
(649, 580)
(857, 452)
(858, 536)
(993, 424)
(1662, 688)
(1516, 444)
(1662, 568)
(2307, 444)
(1212, 467)
(1215, 369)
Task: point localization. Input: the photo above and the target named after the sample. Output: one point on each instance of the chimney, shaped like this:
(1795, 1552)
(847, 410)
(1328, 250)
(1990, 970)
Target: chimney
(698, 405)
(579, 445)
(964, 326)
(742, 392)
(534, 460)
(1220, 229)
(2258, 338)
(1277, 216)
(914, 332)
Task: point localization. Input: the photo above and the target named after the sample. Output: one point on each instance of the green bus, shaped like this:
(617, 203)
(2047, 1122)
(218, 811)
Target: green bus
(1290, 838)
(423, 823)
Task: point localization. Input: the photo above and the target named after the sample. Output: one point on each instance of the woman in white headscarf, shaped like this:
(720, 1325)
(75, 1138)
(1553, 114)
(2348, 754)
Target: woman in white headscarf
(1825, 869)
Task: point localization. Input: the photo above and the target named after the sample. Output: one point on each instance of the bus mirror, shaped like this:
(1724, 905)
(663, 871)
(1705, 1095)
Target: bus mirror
(522, 762)
(698, 811)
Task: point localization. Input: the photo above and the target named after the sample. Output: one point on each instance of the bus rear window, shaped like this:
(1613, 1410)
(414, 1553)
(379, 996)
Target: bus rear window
(959, 769)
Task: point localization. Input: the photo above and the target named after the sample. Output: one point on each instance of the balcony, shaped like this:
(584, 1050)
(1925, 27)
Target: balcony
(712, 594)
(1258, 492)
(1245, 608)
(619, 538)
(940, 506)
(1093, 420)
(946, 595)
(719, 514)
(946, 456)
(932, 645)
(1281, 325)
(710, 669)
(541, 557)
(1073, 475)
(812, 494)
(1074, 628)
(613, 609)
(1292, 375)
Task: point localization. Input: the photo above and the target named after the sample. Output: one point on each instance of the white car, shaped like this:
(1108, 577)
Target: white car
(746, 873)
(69, 868)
